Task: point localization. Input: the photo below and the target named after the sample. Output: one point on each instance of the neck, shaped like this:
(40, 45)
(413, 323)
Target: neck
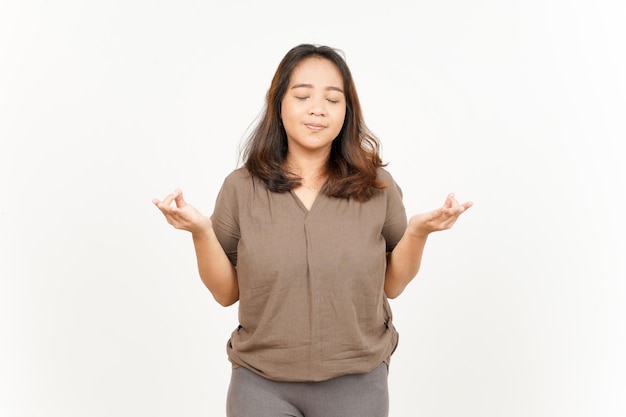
(307, 167)
(311, 170)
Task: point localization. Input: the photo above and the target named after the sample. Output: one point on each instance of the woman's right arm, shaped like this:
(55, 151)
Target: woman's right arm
(216, 271)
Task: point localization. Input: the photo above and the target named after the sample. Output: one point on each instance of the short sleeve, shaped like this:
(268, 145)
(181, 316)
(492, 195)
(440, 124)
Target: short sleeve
(225, 219)
(395, 219)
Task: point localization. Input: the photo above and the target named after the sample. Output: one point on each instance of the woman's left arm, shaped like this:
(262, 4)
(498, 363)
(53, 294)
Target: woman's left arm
(404, 261)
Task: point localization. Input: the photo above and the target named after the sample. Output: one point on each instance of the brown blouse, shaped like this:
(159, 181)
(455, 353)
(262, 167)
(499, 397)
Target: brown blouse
(311, 300)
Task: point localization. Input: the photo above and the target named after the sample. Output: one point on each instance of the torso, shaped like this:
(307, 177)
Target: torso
(311, 271)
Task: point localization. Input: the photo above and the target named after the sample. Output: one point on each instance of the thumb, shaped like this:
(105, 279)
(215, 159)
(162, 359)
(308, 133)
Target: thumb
(449, 200)
(180, 201)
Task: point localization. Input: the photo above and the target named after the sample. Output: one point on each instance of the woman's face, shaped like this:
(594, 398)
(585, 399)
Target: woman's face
(314, 107)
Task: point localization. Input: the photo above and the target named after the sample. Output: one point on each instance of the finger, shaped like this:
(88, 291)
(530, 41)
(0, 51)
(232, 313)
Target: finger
(180, 201)
(161, 205)
(460, 208)
(452, 206)
(167, 201)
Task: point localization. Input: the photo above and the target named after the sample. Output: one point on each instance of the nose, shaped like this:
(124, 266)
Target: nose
(317, 108)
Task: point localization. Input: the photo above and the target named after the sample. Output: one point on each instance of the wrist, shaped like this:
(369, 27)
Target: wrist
(203, 232)
(418, 234)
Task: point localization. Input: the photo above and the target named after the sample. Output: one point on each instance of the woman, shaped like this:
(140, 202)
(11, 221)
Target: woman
(311, 237)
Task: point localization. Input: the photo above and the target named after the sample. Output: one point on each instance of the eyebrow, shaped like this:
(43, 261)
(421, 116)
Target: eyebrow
(329, 88)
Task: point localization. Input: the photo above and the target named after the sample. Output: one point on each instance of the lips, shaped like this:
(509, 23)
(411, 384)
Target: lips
(314, 126)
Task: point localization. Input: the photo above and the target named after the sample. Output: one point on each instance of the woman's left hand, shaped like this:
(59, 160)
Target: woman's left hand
(442, 218)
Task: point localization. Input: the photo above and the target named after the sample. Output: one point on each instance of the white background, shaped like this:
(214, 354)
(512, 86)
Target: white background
(516, 105)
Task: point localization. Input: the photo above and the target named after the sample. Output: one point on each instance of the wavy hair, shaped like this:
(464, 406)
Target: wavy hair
(354, 156)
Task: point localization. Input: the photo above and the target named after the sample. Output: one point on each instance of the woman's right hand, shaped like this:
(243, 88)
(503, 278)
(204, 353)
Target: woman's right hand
(182, 215)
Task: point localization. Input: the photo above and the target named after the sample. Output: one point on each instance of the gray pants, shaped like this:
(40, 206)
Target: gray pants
(361, 395)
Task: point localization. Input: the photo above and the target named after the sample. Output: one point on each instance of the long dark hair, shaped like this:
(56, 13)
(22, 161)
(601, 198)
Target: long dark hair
(354, 156)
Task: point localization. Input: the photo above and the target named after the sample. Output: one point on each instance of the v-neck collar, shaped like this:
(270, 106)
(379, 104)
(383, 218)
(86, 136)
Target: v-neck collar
(301, 204)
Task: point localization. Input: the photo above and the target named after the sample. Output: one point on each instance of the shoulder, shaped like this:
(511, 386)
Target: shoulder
(384, 177)
(391, 191)
(233, 184)
(240, 185)
(240, 177)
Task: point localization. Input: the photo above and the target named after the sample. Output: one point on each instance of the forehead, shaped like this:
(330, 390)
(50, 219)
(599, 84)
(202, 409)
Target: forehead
(317, 71)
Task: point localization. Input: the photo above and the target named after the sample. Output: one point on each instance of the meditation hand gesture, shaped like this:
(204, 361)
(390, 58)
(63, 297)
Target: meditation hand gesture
(440, 219)
(182, 215)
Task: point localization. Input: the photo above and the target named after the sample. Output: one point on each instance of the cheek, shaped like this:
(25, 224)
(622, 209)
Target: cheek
(341, 117)
(287, 118)
(287, 113)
